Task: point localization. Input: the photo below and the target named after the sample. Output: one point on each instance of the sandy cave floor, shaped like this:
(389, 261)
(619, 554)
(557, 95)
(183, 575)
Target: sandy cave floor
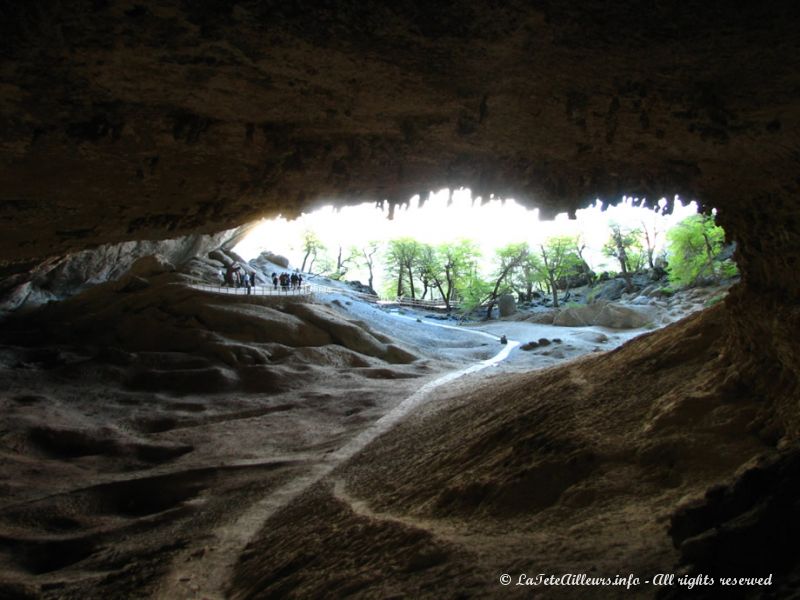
(571, 469)
(107, 489)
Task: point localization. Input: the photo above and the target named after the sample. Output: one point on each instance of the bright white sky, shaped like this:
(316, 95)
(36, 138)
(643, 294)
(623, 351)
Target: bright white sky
(491, 225)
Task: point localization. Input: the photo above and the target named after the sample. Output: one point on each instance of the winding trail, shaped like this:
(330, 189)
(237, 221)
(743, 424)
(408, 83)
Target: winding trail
(208, 576)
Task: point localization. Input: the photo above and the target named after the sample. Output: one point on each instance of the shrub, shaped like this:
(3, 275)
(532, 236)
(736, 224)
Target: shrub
(694, 245)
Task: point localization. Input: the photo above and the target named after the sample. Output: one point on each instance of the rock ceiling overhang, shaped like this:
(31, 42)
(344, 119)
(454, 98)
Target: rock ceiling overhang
(140, 120)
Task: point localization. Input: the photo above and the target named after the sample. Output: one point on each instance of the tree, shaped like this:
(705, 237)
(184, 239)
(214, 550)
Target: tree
(401, 260)
(624, 245)
(694, 245)
(442, 268)
(509, 257)
(368, 254)
(473, 290)
(650, 234)
(559, 260)
(530, 273)
(428, 268)
(343, 261)
(446, 267)
(580, 246)
(312, 246)
(459, 261)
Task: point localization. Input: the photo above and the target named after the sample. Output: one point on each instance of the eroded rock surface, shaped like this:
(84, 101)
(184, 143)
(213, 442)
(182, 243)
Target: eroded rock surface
(574, 469)
(136, 121)
(146, 121)
(25, 287)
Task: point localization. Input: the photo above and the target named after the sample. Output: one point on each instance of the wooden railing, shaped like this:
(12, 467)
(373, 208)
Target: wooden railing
(259, 290)
(308, 289)
(432, 304)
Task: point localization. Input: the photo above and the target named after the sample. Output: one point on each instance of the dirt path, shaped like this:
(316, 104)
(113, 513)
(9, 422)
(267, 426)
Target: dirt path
(204, 572)
(362, 509)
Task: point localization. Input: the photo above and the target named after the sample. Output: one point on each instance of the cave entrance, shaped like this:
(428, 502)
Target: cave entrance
(452, 246)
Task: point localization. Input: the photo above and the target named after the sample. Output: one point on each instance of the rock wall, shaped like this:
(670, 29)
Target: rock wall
(130, 121)
(146, 121)
(62, 277)
(127, 121)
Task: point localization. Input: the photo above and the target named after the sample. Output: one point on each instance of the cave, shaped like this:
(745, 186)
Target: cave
(137, 135)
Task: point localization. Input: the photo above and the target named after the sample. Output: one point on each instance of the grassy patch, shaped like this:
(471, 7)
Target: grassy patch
(714, 300)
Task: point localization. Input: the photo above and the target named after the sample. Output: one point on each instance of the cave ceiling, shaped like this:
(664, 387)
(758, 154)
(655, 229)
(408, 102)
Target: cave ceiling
(126, 120)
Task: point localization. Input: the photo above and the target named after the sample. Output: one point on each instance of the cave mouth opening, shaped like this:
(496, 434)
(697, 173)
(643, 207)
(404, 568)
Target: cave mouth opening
(340, 241)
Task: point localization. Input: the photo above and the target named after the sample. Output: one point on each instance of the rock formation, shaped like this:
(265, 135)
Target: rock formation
(506, 305)
(125, 122)
(61, 277)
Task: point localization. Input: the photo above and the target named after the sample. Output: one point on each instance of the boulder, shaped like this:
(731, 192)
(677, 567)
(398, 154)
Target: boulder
(220, 256)
(606, 314)
(585, 277)
(267, 259)
(616, 316)
(579, 316)
(507, 305)
(608, 291)
(205, 269)
(237, 258)
(361, 288)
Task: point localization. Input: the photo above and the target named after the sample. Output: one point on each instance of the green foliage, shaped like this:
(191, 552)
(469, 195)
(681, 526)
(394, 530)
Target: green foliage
(529, 275)
(456, 266)
(592, 294)
(666, 291)
(626, 246)
(370, 254)
(447, 271)
(559, 259)
(728, 268)
(313, 249)
(324, 265)
(509, 259)
(694, 245)
(473, 292)
(311, 241)
(401, 262)
(714, 299)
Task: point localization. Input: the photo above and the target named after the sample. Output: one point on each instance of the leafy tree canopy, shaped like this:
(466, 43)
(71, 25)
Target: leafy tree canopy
(559, 259)
(694, 246)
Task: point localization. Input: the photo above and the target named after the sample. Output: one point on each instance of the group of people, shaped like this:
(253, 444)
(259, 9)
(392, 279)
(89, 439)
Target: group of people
(287, 281)
(236, 276)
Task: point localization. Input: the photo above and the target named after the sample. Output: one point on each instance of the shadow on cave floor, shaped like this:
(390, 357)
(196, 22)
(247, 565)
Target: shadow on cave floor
(177, 413)
(611, 464)
(139, 419)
